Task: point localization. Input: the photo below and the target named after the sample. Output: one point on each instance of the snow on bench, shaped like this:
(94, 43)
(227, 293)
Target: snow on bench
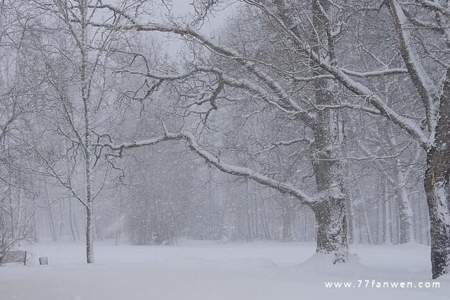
(17, 256)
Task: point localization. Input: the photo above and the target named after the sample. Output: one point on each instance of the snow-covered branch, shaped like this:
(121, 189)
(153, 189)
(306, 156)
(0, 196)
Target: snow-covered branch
(284, 22)
(210, 158)
(369, 74)
(66, 184)
(339, 74)
(423, 83)
(187, 32)
(249, 87)
(434, 6)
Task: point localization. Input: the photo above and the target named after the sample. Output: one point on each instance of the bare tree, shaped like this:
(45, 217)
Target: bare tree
(330, 23)
(76, 80)
(16, 107)
(330, 209)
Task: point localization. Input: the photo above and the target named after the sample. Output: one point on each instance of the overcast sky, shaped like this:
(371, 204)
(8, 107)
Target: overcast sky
(182, 10)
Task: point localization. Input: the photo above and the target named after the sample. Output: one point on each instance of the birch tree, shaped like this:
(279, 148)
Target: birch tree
(74, 57)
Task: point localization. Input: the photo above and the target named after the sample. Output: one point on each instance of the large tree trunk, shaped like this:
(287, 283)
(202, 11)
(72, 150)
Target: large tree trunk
(332, 228)
(437, 187)
(328, 170)
(331, 212)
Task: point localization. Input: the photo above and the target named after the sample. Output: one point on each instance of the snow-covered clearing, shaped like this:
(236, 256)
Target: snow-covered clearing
(206, 270)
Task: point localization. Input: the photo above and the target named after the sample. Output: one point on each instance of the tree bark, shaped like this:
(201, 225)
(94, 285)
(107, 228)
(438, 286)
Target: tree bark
(89, 235)
(437, 187)
(405, 211)
(332, 229)
(327, 147)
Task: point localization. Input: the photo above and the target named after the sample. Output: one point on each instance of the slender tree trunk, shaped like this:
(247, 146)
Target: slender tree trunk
(287, 216)
(406, 230)
(51, 219)
(87, 145)
(422, 224)
(349, 216)
(367, 225)
(387, 221)
(89, 236)
(405, 214)
(346, 181)
(72, 222)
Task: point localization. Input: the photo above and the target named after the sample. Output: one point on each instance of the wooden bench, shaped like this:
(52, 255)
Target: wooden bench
(16, 256)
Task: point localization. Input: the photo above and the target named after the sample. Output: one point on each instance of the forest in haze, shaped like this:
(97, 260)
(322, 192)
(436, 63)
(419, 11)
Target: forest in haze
(138, 122)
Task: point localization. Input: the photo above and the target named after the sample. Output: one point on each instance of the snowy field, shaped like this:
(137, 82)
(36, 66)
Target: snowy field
(206, 270)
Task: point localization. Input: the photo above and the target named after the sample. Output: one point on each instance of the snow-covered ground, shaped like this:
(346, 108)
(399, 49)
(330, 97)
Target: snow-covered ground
(209, 271)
